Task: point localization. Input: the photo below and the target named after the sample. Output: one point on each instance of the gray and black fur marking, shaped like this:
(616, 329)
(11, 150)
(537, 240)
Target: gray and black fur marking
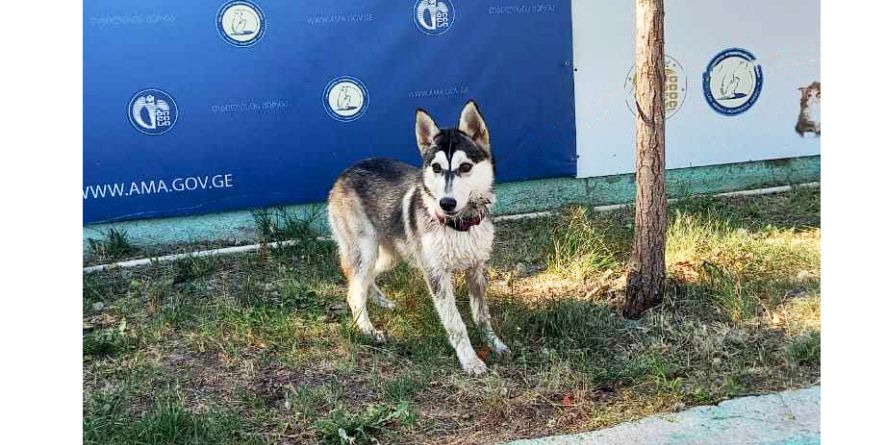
(381, 184)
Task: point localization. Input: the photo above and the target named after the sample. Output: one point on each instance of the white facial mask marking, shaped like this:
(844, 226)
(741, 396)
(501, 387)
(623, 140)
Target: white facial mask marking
(477, 182)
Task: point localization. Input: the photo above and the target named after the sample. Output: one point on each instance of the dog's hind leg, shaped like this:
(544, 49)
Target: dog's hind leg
(440, 285)
(360, 283)
(476, 278)
(358, 250)
(386, 260)
(357, 243)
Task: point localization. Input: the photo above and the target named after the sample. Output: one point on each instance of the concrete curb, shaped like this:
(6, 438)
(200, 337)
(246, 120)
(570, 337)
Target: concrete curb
(786, 418)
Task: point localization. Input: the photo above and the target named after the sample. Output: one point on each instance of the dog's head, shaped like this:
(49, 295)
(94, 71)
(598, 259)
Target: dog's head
(458, 170)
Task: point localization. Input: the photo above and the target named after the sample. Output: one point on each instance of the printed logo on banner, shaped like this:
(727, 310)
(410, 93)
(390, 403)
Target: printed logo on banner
(434, 17)
(152, 111)
(345, 99)
(240, 23)
(733, 81)
(675, 87)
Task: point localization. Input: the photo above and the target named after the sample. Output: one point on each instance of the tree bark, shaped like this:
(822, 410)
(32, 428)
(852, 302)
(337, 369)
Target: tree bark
(646, 269)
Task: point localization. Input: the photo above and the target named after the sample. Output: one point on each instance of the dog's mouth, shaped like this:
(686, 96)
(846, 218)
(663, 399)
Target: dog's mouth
(472, 215)
(459, 222)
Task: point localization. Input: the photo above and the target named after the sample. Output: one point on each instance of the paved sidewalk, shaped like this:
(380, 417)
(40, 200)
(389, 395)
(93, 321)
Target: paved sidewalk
(787, 418)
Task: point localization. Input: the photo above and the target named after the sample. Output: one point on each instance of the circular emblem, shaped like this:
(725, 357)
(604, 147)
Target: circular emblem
(434, 17)
(675, 87)
(240, 23)
(733, 81)
(152, 111)
(345, 99)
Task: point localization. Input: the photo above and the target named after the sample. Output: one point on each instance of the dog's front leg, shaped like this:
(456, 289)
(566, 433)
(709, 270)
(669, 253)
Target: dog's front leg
(476, 278)
(440, 285)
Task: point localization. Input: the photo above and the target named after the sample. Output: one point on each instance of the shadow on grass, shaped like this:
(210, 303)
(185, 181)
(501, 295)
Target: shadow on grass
(740, 316)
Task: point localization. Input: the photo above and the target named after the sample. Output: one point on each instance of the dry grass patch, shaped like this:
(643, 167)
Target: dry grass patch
(258, 348)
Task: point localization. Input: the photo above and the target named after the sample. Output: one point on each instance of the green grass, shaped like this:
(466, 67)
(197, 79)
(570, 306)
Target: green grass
(806, 349)
(404, 386)
(259, 347)
(167, 422)
(582, 245)
(192, 268)
(106, 342)
(342, 427)
(114, 245)
(280, 224)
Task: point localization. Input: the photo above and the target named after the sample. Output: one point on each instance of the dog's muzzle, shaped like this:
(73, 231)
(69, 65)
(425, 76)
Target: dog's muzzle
(471, 216)
(460, 223)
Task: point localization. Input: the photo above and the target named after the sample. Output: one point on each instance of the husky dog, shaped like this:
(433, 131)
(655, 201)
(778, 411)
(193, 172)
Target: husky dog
(436, 218)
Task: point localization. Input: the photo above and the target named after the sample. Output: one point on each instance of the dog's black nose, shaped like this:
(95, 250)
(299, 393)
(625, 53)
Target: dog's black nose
(448, 204)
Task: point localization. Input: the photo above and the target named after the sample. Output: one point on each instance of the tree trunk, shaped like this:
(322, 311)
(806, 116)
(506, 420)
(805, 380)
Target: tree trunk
(646, 269)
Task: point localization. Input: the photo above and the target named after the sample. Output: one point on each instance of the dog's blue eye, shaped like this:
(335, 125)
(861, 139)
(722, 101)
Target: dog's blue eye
(464, 168)
(436, 167)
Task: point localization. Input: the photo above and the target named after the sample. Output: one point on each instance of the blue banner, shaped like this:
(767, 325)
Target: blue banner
(196, 107)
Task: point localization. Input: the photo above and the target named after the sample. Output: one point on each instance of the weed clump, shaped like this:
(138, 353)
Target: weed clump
(279, 224)
(345, 428)
(115, 245)
(579, 245)
(806, 349)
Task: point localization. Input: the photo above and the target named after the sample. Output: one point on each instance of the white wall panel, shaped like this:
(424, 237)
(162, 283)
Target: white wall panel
(784, 37)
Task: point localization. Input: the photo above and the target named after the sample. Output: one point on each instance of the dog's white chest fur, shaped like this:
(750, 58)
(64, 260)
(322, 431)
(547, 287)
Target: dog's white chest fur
(450, 249)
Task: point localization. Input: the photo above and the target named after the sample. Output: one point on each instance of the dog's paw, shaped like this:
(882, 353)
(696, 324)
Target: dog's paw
(379, 337)
(501, 350)
(475, 367)
(375, 336)
(498, 347)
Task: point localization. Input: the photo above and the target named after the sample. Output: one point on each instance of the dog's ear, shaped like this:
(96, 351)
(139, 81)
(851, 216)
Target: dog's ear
(471, 123)
(425, 130)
